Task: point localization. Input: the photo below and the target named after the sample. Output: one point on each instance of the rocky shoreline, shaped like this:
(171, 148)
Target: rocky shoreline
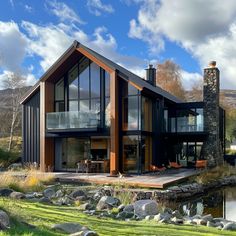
(106, 201)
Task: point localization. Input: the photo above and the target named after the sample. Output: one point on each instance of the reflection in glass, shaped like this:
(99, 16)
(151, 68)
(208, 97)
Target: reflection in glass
(73, 82)
(84, 78)
(131, 153)
(95, 80)
(146, 114)
(59, 90)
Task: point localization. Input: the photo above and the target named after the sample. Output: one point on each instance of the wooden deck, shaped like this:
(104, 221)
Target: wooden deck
(155, 180)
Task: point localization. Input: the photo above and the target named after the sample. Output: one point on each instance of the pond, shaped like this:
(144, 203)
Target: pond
(221, 203)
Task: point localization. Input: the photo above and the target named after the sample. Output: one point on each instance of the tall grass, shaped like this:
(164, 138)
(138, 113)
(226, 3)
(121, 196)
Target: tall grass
(25, 181)
(216, 173)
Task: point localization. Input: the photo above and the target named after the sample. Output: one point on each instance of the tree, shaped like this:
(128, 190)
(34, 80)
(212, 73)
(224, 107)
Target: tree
(169, 78)
(15, 83)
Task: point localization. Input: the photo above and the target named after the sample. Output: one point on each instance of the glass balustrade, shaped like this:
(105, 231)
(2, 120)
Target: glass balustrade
(72, 120)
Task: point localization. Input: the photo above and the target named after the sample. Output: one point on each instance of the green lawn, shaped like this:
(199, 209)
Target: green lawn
(43, 216)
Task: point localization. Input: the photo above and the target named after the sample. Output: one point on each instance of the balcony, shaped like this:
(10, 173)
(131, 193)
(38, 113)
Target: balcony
(56, 121)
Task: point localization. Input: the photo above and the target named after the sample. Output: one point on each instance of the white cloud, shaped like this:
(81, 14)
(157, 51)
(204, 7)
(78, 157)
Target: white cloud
(207, 30)
(49, 43)
(96, 7)
(13, 46)
(28, 8)
(29, 79)
(64, 12)
(189, 79)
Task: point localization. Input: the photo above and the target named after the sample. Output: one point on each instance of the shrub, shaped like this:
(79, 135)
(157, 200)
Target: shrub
(216, 173)
(7, 158)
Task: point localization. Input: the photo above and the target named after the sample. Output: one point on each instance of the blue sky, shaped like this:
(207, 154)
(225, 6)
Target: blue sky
(133, 33)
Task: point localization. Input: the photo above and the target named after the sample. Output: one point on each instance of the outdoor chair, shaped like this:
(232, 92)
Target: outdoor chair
(156, 168)
(201, 164)
(175, 165)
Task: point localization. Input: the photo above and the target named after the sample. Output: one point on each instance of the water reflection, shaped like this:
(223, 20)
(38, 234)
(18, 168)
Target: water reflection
(221, 203)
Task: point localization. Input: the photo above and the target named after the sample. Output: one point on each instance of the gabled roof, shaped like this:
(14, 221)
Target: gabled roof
(121, 71)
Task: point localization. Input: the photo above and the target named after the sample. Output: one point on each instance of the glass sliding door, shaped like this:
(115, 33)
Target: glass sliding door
(146, 153)
(131, 154)
(70, 151)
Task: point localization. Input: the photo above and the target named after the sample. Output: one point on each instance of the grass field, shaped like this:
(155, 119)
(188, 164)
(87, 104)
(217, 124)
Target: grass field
(44, 216)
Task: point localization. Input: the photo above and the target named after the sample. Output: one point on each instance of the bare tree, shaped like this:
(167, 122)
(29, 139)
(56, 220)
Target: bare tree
(15, 83)
(169, 78)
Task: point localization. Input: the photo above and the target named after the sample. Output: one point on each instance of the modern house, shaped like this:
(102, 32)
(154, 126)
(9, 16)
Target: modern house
(87, 108)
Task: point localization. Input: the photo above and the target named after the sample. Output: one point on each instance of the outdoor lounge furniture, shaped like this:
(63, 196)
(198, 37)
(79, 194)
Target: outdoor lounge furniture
(156, 168)
(175, 165)
(201, 164)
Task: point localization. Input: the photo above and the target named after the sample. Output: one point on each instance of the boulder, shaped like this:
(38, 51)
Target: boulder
(142, 208)
(85, 206)
(177, 214)
(49, 193)
(151, 217)
(230, 226)
(124, 215)
(70, 227)
(66, 200)
(59, 193)
(199, 221)
(107, 202)
(85, 233)
(17, 195)
(81, 198)
(5, 192)
(44, 200)
(176, 220)
(121, 207)
(129, 208)
(4, 220)
(77, 193)
(207, 217)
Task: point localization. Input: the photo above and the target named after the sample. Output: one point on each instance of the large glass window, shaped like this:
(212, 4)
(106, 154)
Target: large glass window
(131, 107)
(107, 99)
(146, 153)
(95, 80)
(60, 96)
(146, 114)
(73, 83)
(84, 79)
(131, 153)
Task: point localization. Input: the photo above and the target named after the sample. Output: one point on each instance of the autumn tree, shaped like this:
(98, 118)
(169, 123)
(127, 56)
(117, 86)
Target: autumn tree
(169, 78)
(15, 84)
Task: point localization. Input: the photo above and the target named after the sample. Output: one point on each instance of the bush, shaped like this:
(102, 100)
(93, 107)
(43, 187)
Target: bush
(216, 173)
(7, 158)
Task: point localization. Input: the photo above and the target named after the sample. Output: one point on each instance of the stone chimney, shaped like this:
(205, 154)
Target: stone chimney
(212, 148)
(151, 75)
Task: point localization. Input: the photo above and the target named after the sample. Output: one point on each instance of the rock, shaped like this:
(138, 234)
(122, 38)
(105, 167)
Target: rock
(158, 217)
(124, 215)
(129, 208)
(207, 217)
(69, 228)
(44, 200)
(85, 206)
(230, 226)
(107, 202)
(81, 198)
(168, 210)
(5, 192)
(85, 233)
(59, 193)
(4, 220)
(49, 193)
(199, 221)
(143, 208)
(177, 214)
(66, 200)
(151, 217)
(177, 220)
(77, 193)
(121, 207)
(211, 224)
(17, 195)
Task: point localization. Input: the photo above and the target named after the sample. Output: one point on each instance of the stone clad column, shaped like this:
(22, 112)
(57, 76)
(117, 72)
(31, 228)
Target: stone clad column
(212, 148)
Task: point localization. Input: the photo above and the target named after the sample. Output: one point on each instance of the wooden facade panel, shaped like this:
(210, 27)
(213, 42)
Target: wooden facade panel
(46, 144)
(114, 129)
